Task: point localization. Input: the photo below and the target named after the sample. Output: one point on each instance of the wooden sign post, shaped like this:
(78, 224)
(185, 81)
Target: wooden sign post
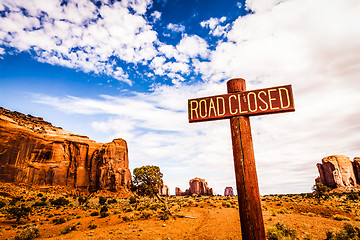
(238, 105)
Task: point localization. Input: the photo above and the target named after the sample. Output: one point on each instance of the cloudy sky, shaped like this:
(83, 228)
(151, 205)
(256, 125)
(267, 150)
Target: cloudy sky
(125, 69)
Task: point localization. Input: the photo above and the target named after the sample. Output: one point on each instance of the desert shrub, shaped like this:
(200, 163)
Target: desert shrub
(83, 200)
(43, 199)
(352, 196)
(59, 220)
(40, 195)
(39, 204)
(163, 215)
(145, 214)
(111, 201)
(132, 200)
(339, 217)
(61, 201)
(68, 229)
(102, 200)
(92, 226)
(320, 191)
(18, 212)
(283, 211)
(104, 211)
(349, 232)
(2, 204)
(126, 218)
(280, 232)
(94, 213)
(29, 233)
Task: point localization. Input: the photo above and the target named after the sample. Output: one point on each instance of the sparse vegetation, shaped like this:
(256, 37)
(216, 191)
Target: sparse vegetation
(280, 232)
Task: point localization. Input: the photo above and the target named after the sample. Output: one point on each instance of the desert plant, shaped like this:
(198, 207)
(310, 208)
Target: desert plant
(111, 201)
(83, 200)
(349, 232)
(145, 214)
(94, 213)
(59, 220)
(132, 200)
(280, 232)
(68, 229)
(29, 233)
(18, 212)
(104, 211)
(320, 191)
(61, 201)
(92, 226)
(102, 200)
(339, 217)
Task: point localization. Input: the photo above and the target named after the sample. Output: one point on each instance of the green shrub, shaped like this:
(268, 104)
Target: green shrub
(111, 201)
(352, 196)
(61, 201)
(29, 233)
(132, 200)
(59, 220)
(145, 214)
(104, 211)
(126, 218)
(163, 215)
(349, 232)
(92, 226)
(39, 204)
(102, 200)
(83, 200)
(283, 211)
(68, 229)
(2, 204)
(339, 217)
(18, 212)
(280, 232)
(94, 213)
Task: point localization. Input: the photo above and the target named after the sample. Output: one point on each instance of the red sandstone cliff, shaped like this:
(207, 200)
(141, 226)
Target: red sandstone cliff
(337, 171)
(33, 151)
(197, 186)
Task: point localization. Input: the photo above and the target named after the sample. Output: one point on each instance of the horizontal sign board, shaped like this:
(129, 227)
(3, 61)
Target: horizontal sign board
(255, 102)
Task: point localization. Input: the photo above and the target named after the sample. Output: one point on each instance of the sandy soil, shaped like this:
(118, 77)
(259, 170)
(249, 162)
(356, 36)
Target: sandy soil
(197, 218)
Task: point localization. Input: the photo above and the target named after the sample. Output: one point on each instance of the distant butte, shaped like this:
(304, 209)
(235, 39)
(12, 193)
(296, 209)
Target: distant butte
(338, 172)
(198, 186)
(34, 152)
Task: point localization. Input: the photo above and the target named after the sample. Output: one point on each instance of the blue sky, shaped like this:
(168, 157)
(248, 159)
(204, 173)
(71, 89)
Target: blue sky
(110, 69)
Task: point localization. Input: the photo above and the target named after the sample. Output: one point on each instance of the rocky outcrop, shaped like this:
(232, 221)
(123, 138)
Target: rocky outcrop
(164, 191)
(34, 152)
(198, 186)
(228, 191)
(337, 171)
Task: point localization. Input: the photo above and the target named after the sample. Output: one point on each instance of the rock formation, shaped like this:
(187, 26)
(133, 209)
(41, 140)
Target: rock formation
(198, 186)
(337, 171)
(34, 152)
(228, 191)
(164, 191)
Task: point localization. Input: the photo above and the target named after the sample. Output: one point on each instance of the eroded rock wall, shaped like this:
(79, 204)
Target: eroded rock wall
(33, 151)
(337, 171)
(198, 186)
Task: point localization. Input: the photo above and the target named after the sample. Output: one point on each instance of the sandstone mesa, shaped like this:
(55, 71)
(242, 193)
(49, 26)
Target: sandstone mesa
(338, 172)
(34, 152)
(198, 186)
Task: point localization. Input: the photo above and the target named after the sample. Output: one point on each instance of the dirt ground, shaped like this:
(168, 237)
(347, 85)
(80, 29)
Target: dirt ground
(193, 217)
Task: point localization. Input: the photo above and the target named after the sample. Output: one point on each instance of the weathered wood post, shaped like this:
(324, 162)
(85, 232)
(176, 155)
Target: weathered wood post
(238, 105)
(252, 224)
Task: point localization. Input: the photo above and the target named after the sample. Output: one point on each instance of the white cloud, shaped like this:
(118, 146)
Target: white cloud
(214, 24)
(74, 36)
(176, 27)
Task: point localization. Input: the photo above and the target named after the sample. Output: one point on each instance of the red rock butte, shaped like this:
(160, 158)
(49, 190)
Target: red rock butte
(34, 152)
(338, 172)
(198, 186)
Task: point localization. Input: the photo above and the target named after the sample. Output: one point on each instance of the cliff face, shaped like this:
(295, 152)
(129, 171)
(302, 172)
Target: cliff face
(337, 171)
(197, 186)
(33, 151)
